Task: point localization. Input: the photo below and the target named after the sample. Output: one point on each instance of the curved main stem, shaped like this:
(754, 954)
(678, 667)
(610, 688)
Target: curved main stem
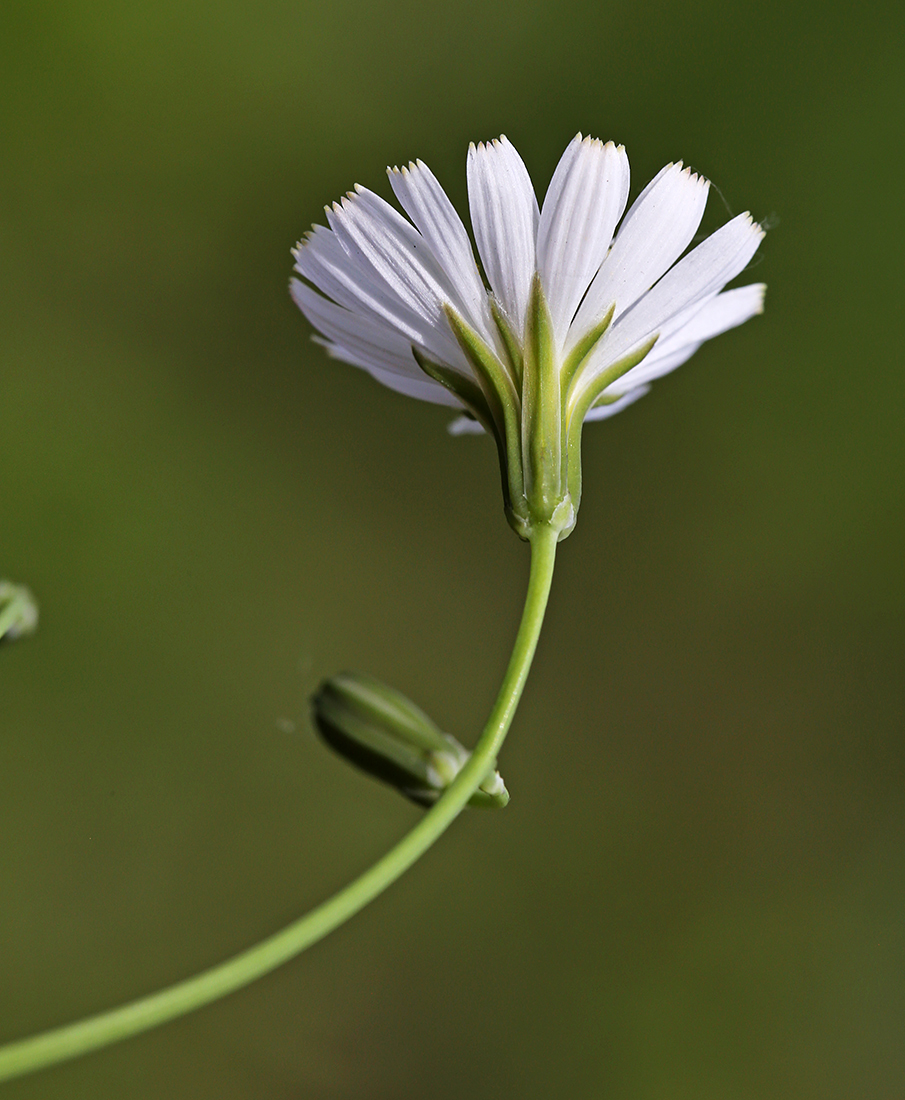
(72, 1040)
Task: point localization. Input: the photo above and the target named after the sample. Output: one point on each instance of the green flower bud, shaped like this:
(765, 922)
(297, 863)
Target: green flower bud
(384, 734)
(18, 611)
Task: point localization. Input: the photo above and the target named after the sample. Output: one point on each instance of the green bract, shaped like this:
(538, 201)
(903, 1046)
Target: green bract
(534, 406)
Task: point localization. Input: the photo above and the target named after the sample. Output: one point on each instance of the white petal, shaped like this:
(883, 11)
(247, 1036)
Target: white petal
(719, 314)
(380, 240)
(724, 312)
(324, 262)
(373, 342)
(435, 217)
(648, 372)
(423, 388)
(584, 201)
(694, 279)
(504, 216)
(655, 232)
(602, 412)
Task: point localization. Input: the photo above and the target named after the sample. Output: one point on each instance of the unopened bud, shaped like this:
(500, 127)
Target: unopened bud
(384, 734)
(18, 611)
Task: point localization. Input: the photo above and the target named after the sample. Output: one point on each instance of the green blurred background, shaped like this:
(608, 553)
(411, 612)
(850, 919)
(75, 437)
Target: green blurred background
(698, 890)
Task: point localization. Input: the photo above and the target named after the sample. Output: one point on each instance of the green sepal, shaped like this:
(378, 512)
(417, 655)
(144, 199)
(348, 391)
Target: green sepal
(465, 389)
(543, 435)
(581, 400)
(381, 732)
(501, 397)
(607, 399)
(472, 397)
(579, 354)
(583, 396)
(510, 341)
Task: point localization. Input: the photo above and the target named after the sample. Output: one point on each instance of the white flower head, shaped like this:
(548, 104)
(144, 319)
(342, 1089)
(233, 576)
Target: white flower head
(570, 321)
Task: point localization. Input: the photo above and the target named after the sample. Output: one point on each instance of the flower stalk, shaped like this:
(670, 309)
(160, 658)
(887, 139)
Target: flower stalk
(61, 1044)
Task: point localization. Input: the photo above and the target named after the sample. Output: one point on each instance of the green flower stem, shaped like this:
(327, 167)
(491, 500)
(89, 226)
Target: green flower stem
(94, 1032)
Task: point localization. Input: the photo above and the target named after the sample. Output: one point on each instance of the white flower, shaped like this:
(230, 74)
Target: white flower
(575, 324)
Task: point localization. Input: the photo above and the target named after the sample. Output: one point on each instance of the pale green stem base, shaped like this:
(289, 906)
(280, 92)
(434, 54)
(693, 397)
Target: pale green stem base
(72, 1040)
